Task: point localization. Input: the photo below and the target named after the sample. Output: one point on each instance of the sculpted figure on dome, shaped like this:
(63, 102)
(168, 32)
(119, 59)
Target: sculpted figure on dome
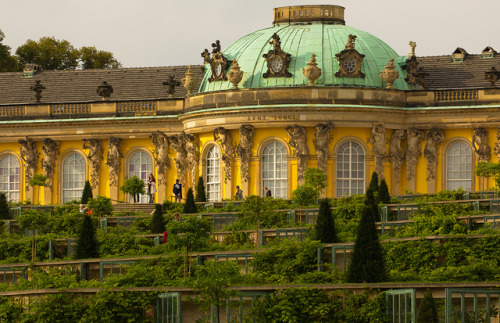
(397, 153)
(413, 151)
(50, 151)
(178, 145)
(30, 155)
(206, 56)
(497, 145)
(224, 138)
(435, 137)
(298, 141)
(95, 155)
(244, 149)
(275, 41)
(377, 139)
(480, 144)
(321, 140)
(160, 155)
(193, 155)
(351, 42)
(113, 159)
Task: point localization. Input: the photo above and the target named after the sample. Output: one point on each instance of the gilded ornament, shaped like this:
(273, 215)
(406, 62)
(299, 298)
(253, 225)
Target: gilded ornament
(312, 72)
(235, 74)
(389, 75)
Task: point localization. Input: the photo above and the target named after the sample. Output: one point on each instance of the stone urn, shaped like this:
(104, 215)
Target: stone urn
(235, 74)
(389, 75)
(312, 72)
(189, 81)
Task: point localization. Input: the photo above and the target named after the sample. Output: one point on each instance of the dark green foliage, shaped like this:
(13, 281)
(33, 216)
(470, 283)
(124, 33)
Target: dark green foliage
(8, 62)
(325, 225)
(87, 245)
(87, 193)
(367, 262)
(100, 206)
(201, 196)
(134, 185)
(427, 311)
(383, 192)
(190, 205)
(374, 186)
(371, 202)
(158, 222)
(4, 207)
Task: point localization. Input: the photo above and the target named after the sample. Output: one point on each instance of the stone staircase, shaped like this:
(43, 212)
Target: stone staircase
(146, 208)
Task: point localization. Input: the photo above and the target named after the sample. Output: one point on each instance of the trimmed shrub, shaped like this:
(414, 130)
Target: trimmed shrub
(87, 193)
(4, 206)
(325, 225)
(427, 312)
(201, 196)
(383, 193)
(374, 183)
(158, 222)
(100, 206)
(87, 245)
(190, 205)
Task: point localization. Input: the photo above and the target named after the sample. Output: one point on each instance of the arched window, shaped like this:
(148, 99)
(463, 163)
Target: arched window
(274, 169)
(350, 169)
(141, 165)
(459, 166)
(213, 174)
(73, 177)
(9, 177)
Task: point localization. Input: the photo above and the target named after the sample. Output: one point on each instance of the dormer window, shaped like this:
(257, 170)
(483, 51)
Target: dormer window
(459, 55)
(488, 52)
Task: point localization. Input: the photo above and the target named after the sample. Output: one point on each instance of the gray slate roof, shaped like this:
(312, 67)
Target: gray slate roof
(81, 85)
(443, 73)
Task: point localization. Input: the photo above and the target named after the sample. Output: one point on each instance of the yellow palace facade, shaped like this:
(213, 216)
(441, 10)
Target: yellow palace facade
(308, 91)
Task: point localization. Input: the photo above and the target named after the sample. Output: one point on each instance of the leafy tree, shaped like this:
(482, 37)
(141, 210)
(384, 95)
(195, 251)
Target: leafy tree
(367, 261)
(309, 192)
(315, 178)
(427, 311)
(87, 193)
(201, 196)
(8, 63)
(91, 58)
(383, 193)
(133, 186)
(100, 206)
(49, 53)
(325, 225)
(489, 170)
(87, 245)
(191, 234)
(190, 205)
(212, 280)
(32, 219)
(4, 206)
(254, 205)
(158, 222)
(38, 180)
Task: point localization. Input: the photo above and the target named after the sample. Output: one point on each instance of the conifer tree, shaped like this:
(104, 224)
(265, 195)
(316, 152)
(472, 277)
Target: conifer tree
(374, 183)
(4, 206)
(87, 245)
(190, 206)
(427, 312)
(158, 222)
(371, 202)
(383, 192)
(367, 262)
(201, 196)
(325, 224)
(87, 193)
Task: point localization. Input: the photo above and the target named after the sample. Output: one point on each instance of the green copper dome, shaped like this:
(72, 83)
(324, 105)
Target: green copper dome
(301, 40)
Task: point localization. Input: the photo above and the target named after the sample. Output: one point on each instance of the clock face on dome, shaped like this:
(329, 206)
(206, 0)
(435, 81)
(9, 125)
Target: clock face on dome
(218, 70)
(349, 65)
(276, 64)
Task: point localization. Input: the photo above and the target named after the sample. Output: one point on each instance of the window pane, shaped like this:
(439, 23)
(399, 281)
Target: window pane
(274, 169)
(140, 165)
(350, 169)
(212, 172)
(73, 177)
(459, 166)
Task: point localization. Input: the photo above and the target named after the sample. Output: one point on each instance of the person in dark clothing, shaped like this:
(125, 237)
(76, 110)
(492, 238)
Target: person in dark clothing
(178, 191)
(267, 192)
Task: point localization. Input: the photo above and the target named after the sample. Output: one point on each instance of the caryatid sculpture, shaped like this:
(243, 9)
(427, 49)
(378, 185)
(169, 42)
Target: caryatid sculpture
(413, 152)
(160, 154)
(224, 138)
(397, 155)
(50, 151)
(113, 160)
(480, 144)
(178, 145)
(298, 141)
(497, 145)
(95, 156)
(377, 139)
(321, 140)
(193, 155)
(435, 137)
(30, 155)
(244, 149)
